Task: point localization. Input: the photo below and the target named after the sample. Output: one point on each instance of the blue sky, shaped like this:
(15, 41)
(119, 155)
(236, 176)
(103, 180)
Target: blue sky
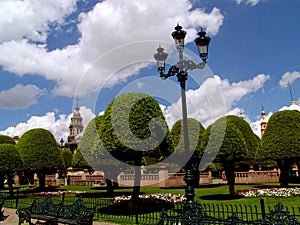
(53, 51)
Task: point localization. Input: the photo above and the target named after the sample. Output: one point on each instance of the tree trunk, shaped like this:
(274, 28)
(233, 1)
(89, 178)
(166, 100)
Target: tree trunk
(2, 179)
(229, 171)
(10, 185)
(41, 176)
(109, 187)
(137, 185)
(284, 174)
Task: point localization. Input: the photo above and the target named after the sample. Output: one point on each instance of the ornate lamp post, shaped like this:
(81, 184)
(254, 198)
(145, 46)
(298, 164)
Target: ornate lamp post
(181, 71)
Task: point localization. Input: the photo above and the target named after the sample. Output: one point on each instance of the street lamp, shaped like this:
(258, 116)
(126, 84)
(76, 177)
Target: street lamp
(180, 69)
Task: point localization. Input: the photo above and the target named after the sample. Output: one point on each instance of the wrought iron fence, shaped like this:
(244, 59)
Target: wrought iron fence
(110, 211)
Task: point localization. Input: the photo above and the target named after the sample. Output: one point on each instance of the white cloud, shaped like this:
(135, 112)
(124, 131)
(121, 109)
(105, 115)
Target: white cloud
(289, 77)
(58, 127)
(31, 18)
(105, 30)
(293, 106)
(215, 98)
(20, 96)
(251, 2)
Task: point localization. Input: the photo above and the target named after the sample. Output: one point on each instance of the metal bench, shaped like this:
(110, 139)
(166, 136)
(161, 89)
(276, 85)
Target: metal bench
(196, 215)
(2, 200)
(51, 213)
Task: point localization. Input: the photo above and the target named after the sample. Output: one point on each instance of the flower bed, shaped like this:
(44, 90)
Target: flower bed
(270, 192)
(173, 198)
(54, 193)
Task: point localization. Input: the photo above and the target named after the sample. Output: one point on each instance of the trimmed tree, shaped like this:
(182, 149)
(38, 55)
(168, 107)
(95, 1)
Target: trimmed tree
(4, 139)
(252, 140)
(97, 155)
(67, 157)
(196, 131)
(223, 142)
(10, 163)
(40, 153)
(79, 161)
(280, 142)
(134, 131)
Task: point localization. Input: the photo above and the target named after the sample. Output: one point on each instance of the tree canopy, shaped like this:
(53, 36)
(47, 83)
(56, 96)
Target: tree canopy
(40, 153)
(280, 141)
(195, 131)
(134, 131)
(223, 142)
(4, 139)
(252, 140)
(67, 157)
(133, 127)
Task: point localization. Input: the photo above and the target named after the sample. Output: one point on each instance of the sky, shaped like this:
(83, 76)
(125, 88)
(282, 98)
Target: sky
(53, 52)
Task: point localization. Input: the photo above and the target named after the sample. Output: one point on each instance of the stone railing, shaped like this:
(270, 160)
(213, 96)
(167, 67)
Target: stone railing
(250, 177)
(162, 179)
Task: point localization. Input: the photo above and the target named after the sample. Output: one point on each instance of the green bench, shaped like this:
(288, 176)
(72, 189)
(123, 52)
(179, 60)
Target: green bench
(51, 213)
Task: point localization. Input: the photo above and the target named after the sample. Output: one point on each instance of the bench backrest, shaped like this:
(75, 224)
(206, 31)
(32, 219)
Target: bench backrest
(77, 211)
(46, 207)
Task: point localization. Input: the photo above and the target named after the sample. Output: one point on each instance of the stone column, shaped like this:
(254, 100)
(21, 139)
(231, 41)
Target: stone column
(163, 175)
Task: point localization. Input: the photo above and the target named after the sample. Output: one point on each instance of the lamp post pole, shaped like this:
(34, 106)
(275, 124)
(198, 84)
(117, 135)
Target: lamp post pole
(181, 71)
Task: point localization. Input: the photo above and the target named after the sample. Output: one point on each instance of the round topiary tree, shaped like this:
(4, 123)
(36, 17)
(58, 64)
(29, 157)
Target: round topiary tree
(97, 156)
(4, 139)
(40, 153)
(252, 140)
(280, 142)
(196, 131)
(10, 163)
(134, 131)
(226, 144)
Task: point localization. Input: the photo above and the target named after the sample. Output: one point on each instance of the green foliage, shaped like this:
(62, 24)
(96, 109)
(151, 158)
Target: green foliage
(282, 137)
(10, 160)
(252, 140)
(93, 150)
(39, 151)
(228, 140)
(4, 139)
(133, 127)
(195, 131)
(79, 161)
(67, 157)
(223, 142)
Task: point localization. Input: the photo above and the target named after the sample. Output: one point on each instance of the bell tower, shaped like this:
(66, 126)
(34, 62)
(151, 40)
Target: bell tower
(264, 122)
(76, 126)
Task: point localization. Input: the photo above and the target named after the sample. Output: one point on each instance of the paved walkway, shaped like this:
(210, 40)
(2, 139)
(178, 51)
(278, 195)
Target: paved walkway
(13, 219)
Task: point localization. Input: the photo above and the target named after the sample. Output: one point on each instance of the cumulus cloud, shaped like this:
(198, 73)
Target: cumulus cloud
(58, 127)
(31, 18)
(214, 98)
(293, 106)
(20, 96)
(103, 30)
(289, 77)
